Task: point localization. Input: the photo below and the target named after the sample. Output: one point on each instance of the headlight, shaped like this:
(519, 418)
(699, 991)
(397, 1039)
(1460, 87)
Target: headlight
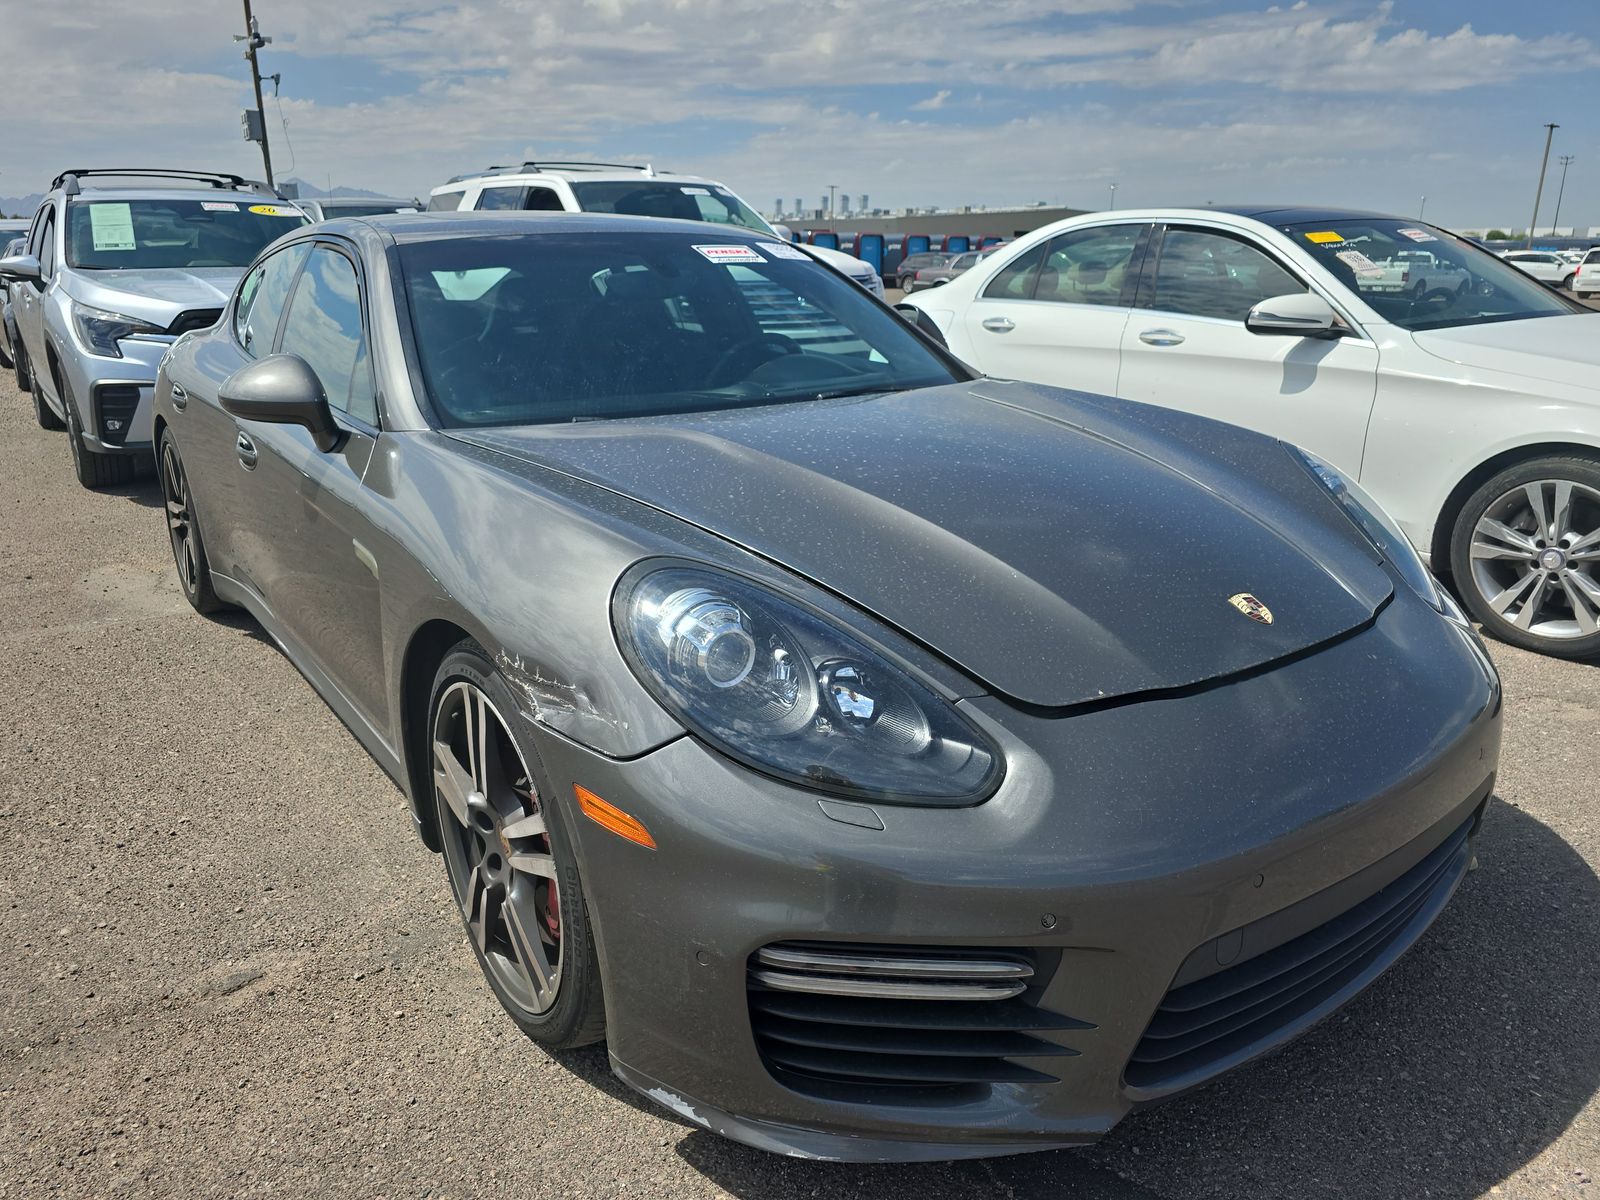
(1378, 526)
(790, 693)
(100, 330)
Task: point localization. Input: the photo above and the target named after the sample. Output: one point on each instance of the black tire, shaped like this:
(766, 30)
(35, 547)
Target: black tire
(183, 530)
(577, 1017)
(94, 470)
(42, 412)
(1478, 580)
(20, 366)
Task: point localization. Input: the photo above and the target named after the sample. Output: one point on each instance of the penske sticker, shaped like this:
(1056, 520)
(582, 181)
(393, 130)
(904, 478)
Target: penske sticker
(1325, 237)
(730, 254)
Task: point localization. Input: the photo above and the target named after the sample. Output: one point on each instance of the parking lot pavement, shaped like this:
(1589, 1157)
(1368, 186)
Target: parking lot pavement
(230, 969)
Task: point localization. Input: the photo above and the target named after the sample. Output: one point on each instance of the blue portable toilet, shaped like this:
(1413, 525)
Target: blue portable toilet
(869, 248)
(956, 243)
(916, 243)
(992, 240)
(823, 238)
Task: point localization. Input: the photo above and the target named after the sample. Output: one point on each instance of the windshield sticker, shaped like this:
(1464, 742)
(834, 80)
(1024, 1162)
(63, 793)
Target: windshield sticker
(219, 206)
(274, 210)
(1417, 235)
(111, 226)
(784, 250)
(694, 191)
(1359, 262)
(730, 254)
(1326, 237)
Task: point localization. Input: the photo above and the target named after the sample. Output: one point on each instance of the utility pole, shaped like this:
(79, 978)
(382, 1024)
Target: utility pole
(1113, 197)
(254, 41)
(1549, 133)
(832, 187)
(1422, 207)
(1566, 161)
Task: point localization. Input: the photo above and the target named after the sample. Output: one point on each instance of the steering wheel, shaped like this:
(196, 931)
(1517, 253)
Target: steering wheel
(748, 347)
(1436, 300)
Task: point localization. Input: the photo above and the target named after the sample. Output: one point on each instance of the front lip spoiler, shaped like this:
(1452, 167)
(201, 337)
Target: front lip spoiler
(792, 1141)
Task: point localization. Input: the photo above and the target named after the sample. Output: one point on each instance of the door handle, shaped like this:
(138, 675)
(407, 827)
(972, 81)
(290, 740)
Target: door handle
(999, 324)
(1161, 337)
(248, 455)
(180, 398)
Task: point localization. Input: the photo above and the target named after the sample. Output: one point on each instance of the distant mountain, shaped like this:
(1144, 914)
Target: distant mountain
(20, 206)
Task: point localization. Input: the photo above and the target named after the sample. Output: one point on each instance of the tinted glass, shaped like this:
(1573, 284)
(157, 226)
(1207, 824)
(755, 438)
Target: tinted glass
(684, 201)
(494, 199)
(47, 245)
(542, 200)
(324, 328)
(247, 295)
(1457, 283)
(1015, 280)
(445, 202)
(260, 323)
(1211, 275)
(548, 327)
(111, 234)
(1087, 266)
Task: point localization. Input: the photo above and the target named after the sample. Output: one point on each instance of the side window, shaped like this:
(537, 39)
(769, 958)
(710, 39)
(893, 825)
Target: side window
(1015, 281)
(1088, 266)
(259, 323)
(1212, 275)
(542, 200)
(324, 328)
(445, 202)
(47, 245)
(36, 233)
(496, 198)
(247, 294)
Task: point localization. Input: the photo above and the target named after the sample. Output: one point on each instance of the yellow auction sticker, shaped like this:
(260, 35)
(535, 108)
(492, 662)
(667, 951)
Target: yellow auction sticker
(1325, 236)
(273, 210)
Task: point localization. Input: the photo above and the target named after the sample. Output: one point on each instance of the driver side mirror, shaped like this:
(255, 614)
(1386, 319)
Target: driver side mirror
(915, 316)
(20, 268)
(284, 390)
(1299, 314)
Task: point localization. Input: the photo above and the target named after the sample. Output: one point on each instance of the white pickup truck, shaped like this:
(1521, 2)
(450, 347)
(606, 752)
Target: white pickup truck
(1412, 272)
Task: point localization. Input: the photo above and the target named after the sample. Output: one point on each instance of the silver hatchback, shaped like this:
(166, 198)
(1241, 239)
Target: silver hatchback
(117, 265)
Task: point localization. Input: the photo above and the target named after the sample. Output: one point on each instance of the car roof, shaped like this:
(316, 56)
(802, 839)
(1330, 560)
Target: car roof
(571, 175)
(432, 226)
(176, 193)
(1297, 214)
(353, 201)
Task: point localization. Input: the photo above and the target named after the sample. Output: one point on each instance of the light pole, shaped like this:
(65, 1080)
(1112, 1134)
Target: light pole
(254, 41)
(832, 188)
(1113, 196)
(1566, 161)
(1549, 133)
(1422, 207)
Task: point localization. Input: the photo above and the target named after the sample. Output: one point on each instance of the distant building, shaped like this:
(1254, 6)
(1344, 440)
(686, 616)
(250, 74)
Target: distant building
(866, 204)
(844, 201)
(777, 207)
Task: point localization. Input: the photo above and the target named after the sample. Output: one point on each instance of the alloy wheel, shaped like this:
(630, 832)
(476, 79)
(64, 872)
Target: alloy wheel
(180, 522)
(1536, 558)
(497, 847)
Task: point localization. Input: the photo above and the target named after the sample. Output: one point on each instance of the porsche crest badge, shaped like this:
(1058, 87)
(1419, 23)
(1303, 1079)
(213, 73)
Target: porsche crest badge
(1251, 607)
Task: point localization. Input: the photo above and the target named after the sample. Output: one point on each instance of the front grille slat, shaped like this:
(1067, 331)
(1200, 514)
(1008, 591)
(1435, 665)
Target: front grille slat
(863, 1023)
(1203, 1027)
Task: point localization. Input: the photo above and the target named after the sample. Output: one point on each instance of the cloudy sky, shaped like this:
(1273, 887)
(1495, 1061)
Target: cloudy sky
(912, 101)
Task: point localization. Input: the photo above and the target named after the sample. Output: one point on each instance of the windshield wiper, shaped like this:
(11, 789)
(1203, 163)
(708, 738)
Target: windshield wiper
(875, 389)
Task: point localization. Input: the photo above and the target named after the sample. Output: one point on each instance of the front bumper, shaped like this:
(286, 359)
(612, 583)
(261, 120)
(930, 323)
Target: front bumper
(115, 395)
(1125, 846)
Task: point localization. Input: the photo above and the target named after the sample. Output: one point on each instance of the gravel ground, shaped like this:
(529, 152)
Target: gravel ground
(231, 970)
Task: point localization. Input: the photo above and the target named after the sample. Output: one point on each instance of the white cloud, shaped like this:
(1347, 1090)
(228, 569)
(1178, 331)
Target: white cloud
(933, 102)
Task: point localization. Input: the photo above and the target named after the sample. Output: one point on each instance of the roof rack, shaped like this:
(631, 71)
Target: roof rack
(557, 164)
(68, 180)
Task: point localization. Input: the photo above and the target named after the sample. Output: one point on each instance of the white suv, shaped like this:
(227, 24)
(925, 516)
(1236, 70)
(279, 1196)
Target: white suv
(619, 188)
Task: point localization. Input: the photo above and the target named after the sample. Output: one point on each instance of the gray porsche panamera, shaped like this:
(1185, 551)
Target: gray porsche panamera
(888, 762)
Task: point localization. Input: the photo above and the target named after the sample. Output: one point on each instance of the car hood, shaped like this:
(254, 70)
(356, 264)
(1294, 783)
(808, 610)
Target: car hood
(1563, 350)
(1052, 560)
(158, 294)
(839, 260)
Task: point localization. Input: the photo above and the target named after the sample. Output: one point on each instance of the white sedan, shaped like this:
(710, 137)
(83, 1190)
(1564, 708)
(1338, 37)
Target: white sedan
(1543, 265)
(1469, 408)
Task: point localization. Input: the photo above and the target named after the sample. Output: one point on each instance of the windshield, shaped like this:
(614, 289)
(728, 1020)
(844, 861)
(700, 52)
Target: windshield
(655, 198)
(104, 235)
(1419, 277)
(537, 328)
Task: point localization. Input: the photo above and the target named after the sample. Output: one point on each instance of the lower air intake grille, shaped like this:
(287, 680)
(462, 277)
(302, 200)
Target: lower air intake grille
(195, 318)
(115, 404)
(1206, 1026)
(897, 1023)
